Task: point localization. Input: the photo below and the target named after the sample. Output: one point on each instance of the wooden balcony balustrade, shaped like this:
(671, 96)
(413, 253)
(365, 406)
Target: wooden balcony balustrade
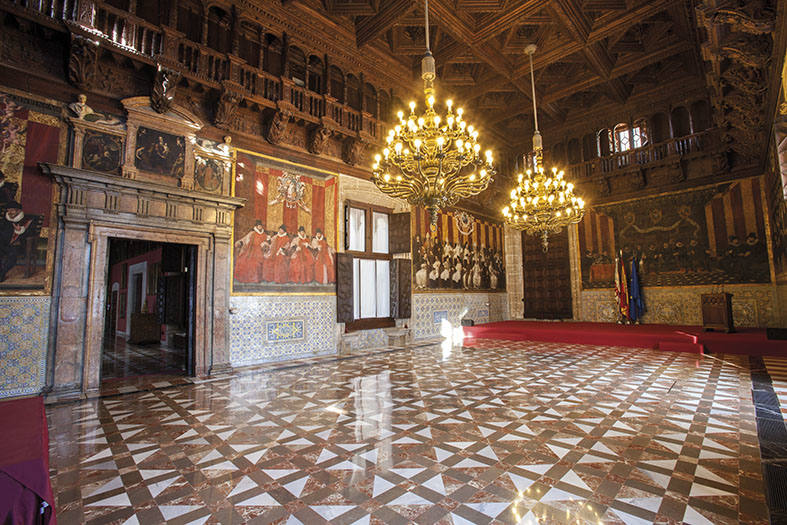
(646, 155)
(129, 34)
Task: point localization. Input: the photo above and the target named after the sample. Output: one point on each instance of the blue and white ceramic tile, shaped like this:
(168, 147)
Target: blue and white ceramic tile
(250, 341)
(24, 332)
(432, 311)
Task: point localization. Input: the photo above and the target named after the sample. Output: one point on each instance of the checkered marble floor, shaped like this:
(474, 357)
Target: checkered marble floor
(777, 369)
(504, 432)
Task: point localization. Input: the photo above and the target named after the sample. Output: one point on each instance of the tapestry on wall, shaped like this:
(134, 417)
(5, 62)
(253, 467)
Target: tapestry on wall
(708, 236)
(460, 252)
(27, 137)
(285, 235)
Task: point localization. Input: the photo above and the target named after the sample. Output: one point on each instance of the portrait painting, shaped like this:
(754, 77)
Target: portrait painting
(460, 252)
(160, 153)
(27, 137)
(102, 152)
(708, 236)
(285, 236)
(208, 174)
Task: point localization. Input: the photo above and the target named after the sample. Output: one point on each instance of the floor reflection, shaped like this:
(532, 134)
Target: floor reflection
(504, 432)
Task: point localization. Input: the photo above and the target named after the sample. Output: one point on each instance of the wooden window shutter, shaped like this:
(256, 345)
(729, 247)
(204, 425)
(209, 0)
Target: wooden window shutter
(399, 233)
(344, 288)
(401, 288)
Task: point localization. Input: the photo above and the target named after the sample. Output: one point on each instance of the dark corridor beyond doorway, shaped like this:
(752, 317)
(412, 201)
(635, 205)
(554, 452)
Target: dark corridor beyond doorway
(149, 319)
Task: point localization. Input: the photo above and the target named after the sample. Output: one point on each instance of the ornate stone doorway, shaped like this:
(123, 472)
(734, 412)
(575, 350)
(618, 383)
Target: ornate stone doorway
(94, 207)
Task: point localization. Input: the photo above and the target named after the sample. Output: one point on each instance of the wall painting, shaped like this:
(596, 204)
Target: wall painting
(27, 227)
(285, 236)
(160, 153)
(707, 236)
(460, 252)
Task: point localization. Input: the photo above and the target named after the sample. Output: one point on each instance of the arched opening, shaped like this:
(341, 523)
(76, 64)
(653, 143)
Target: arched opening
(701, 115)
(573, 152)
(272, 59)
(589, 148)
(219, 30)
(559, 153)
(296, 64)
(384, 102)
(190, 20)
(153, 11)
(681, 122)
(336, 83)
(604, 142)
(659, 128)
(370, 99)
(316, 74)
(249, 43)
(353, 92)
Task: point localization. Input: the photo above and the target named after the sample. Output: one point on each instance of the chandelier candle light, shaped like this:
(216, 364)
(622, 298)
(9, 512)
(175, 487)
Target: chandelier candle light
(542, 203)
(426, 154)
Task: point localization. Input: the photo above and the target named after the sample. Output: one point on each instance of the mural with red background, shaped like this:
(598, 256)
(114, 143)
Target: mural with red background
(27, 227)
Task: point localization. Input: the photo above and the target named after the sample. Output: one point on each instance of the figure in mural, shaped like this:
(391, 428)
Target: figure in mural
(324, 268)
(160, 153)
(7, 191)
(208, 173)
(298, 256)
(684, 239)
(15, 228)
(252, 250)
(301, 258)
(280, 255)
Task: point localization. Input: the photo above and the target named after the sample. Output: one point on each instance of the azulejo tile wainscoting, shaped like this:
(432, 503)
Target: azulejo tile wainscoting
(431, 311)
(266, 329)
(24, 336)
(752, 305)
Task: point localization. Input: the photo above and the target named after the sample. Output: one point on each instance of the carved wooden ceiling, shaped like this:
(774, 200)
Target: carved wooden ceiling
(590, 52)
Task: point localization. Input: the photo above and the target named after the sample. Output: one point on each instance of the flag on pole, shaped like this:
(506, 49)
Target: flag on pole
(621, 289)
(636, 302)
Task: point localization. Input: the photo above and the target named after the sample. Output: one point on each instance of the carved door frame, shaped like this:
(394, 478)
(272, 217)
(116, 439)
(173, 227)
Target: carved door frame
(95, 207)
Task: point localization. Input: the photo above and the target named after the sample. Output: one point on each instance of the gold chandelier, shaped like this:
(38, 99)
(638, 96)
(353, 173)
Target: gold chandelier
(425, 156)
(542, 203)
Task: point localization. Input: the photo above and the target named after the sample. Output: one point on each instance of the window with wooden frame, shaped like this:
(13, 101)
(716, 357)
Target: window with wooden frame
(366, 241)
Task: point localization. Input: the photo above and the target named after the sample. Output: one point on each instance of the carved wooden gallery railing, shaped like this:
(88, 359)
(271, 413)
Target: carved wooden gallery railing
(646, 155)
(130, 35)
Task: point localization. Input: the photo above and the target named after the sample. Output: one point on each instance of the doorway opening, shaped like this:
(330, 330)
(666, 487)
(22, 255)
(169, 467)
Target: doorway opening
(150, 305)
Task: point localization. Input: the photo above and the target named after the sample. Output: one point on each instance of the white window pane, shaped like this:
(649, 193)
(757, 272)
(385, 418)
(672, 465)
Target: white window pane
(357, 228)
(380, 232)
(383, 290)
(367, 280)
(356, 289)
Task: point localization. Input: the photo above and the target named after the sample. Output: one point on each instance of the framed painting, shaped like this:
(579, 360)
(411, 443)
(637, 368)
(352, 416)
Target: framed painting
(460, 252)
(28, 136)
(160, 153)
(102, 152)
(285, 237)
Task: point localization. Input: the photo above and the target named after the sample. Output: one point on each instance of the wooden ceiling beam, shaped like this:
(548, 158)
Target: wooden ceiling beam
(493, 25)
(370, 27)
(616, 23)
